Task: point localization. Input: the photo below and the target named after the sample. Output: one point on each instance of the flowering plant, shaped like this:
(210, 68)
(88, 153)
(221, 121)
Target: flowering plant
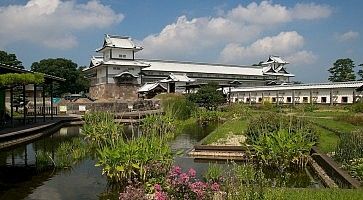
(185, 185)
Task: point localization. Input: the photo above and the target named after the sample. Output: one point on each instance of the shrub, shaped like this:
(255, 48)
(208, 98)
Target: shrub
(185, 185)
(238, 110)
(357, 107)
(355, 167)
(203, 115)
(208, 96)
(356, 120)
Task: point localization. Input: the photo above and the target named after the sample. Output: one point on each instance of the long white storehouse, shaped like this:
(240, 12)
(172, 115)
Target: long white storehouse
(117, 74)
(320, 93)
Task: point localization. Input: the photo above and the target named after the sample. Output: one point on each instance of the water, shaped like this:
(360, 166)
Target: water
(20, 179)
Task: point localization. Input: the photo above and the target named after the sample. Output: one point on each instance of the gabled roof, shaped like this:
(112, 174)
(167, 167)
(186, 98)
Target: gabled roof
(275, 59)
(150, 86)
(126, 73)
(98, 60)
(121, 42)
(178, 78)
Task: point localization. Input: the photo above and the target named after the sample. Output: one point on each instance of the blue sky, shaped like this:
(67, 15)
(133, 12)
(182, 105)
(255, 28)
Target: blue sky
(311, 35)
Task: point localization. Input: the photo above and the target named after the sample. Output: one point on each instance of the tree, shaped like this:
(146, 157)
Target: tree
(342, 70)
(208, 96)
(10, 59)
(360, 72)
(64, 68)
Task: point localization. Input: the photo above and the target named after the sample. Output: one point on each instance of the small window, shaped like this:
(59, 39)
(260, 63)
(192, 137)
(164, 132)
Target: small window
(305, 99)
(323, 99)
(118, 68)
(260, 99)
(130, 68)
(124, 56)
(288, 99)
(273, 99)
(344, 99)
(114, 68)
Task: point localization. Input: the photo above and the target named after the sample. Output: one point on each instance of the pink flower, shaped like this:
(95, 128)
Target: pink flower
(157, 187)
(215, 187)
(160, 196)
(192, 172)
(184, 178)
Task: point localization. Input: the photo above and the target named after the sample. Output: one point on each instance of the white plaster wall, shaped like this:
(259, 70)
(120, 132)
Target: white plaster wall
(106, 55)
(117, 52)
(318, 93)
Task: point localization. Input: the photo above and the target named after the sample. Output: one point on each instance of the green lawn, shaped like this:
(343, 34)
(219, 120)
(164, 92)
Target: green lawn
(336, 125)
(236, 127)
(327, 140)
(315, 194)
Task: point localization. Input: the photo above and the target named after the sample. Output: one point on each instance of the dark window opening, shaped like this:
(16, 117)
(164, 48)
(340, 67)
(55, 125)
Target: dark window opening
(344, 99)
(323, 99)
(273, 99)
(305, 99)
(288, 99)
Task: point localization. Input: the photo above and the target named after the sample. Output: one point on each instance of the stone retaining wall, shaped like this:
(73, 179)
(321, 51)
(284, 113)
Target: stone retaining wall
(113, 91)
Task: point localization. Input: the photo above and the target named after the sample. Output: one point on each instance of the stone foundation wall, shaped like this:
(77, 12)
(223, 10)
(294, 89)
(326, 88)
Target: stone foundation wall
(113, 91)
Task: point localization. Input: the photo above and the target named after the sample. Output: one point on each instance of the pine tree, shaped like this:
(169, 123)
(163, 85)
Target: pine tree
(342, 70)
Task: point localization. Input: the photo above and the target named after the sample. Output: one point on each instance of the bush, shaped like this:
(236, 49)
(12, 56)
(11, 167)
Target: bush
(356, 120)
(208, 96)
(357, 107)
(203, 115)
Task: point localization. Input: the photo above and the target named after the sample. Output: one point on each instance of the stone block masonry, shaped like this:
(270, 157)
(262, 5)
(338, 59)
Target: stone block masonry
(113, 91)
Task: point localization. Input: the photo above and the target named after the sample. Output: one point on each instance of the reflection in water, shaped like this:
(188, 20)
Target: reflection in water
(20, 178)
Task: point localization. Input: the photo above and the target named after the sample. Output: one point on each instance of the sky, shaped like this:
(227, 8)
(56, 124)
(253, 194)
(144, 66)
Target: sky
(311, 35)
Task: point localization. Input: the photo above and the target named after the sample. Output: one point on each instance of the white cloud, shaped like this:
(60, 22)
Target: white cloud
(347, 36)
(236, 27)
(284, 43)
(53, 22)
(310, 11)
(302, 57)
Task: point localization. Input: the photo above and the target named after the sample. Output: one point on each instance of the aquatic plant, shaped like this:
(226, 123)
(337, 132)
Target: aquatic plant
(214, 173)
(203, 115)
(269, 122)
(128, 159)
(283, 148)
(101, 129)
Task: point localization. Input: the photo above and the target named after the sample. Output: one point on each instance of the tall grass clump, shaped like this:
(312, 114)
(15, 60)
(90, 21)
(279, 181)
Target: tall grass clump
(269, 122)
(350, 146)
(177, 105)
(123, 160)
(101, 129)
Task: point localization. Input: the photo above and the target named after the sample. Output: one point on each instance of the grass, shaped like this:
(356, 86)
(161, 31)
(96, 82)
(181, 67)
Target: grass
(236, 127)
(339, 126)
(312, 194)
(327, 140)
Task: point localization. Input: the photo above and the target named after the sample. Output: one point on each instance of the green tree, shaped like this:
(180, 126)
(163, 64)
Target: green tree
(10, 59)
(360, 72)
(342, 70)
(208, 96)
(64, 68)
